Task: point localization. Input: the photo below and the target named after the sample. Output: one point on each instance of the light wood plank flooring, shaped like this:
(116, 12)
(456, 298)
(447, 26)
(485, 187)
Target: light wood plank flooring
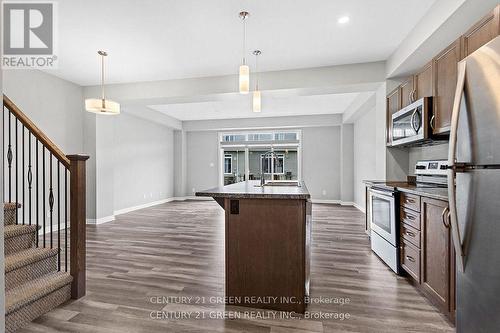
(177, 249)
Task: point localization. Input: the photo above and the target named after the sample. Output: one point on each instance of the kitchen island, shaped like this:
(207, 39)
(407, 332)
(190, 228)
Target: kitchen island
(267, 244)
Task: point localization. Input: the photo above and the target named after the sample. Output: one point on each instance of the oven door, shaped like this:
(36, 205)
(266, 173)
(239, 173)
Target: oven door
(383, 215)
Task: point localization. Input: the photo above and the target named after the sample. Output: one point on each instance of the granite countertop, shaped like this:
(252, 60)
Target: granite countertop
(440, 193)
(249, 190)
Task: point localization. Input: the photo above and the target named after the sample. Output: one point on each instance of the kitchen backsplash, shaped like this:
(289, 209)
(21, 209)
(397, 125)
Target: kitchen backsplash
(427, 153)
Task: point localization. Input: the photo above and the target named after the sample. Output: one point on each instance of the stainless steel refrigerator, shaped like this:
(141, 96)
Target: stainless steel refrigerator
(474, 190)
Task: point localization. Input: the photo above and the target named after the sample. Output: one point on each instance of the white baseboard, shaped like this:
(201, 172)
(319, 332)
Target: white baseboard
(101, 220)
(146, 205)
(324, 201)
(359, 207)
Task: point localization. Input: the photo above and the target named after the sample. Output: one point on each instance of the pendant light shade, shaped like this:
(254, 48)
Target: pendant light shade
(102, 105)
(244, 74)
(244, 79)
(256, 101)
(256, 94)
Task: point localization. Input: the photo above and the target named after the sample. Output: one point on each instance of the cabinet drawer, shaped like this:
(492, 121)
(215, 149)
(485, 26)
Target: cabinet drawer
(410, 234)
(410, 260)
(410, 201)
(410, 217)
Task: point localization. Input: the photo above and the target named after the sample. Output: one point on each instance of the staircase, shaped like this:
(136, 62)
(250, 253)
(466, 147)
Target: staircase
(40, 212)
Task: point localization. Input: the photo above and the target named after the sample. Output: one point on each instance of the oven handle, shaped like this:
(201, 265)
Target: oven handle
(382, 193)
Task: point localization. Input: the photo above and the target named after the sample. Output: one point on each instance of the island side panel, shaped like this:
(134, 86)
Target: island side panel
(265, 253)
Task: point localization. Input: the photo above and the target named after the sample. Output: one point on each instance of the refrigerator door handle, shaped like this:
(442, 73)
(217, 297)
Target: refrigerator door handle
(455, 231)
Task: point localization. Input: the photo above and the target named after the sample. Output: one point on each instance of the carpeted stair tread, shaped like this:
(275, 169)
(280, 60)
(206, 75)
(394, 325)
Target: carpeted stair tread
(11, 206)
(34, 290)
(27, 257)
(18, 230)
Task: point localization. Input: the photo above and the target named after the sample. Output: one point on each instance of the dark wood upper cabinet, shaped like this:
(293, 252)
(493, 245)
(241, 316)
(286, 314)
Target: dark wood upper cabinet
(393, 105)
(424, 83)
(445, 67)
(482, 32)
(407, 92)
(437, 264)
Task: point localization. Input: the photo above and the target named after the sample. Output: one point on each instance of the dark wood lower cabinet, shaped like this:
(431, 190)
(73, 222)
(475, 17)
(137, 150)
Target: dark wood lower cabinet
(430, 260)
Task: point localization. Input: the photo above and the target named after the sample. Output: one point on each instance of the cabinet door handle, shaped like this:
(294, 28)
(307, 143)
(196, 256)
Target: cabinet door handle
(410, 258)
(409, 233)
(433, 119)
(410, 201)
(444, 217)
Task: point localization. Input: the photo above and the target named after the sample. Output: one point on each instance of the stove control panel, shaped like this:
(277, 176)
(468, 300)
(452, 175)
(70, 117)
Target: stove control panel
(431, 168)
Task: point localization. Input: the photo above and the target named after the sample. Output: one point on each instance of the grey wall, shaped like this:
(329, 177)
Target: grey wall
(180, 163)
(427, 153)
(364, 155)
(202, 161)
(321, 162)
(347, 163)
(143, 163)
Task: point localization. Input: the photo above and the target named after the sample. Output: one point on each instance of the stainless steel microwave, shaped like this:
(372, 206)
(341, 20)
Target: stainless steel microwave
(411, 126)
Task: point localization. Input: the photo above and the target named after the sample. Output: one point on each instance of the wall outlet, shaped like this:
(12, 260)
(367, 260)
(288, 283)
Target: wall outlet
(194, 190)
(323, 192)
(212, 164)
(144, 195)
(151, 194)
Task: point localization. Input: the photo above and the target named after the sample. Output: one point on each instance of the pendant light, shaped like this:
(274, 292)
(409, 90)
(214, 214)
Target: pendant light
(244, 79)
(256, 93)
(102, 105)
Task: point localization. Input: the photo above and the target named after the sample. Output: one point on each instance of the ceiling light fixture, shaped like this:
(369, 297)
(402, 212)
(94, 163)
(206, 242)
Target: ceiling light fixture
(102, 106)
(244, 79)
(343, 19)
(256, 94)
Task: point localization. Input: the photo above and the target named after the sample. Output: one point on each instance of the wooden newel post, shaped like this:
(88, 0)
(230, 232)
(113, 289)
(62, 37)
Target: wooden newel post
(77, 224)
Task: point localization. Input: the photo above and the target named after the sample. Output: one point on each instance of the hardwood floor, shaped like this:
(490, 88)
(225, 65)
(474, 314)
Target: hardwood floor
(177, 250)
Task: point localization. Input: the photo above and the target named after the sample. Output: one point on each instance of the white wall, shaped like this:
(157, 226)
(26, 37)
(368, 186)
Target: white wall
(53, 104)
(202, 161)
(364, 155)
(143, 162)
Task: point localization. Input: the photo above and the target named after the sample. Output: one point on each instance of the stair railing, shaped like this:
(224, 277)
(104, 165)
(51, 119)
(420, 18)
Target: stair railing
(36, 174)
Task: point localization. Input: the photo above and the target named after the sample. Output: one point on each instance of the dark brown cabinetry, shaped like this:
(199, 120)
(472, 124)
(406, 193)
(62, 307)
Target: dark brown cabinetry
(427, 253)
(439, 77)
(424, 84)
(407, 92)
(393, 106)
(482, 32)
(445, 82)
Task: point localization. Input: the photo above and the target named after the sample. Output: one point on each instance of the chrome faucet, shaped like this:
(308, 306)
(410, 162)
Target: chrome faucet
(264, 157)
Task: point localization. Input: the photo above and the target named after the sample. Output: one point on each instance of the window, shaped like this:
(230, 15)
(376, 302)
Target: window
(283, 136)
(228, 164)
(260, 137)
(233, 137)
(279, 164)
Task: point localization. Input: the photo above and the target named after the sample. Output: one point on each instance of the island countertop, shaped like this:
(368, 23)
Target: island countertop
(250, 190)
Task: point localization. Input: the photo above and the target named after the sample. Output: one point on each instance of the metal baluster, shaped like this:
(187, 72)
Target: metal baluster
(51, 198)
(17, 171)
(43, 192)
(37, 192)
(58, 217)
(65, 219)
(9, 160)
(30, 177)
(23, 175)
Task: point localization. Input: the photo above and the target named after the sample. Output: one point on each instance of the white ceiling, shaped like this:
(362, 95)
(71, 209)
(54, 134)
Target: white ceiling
(238, 106)
(166, 39)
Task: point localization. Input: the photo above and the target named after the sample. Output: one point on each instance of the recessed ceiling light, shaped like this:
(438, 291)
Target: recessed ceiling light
(343, 19)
